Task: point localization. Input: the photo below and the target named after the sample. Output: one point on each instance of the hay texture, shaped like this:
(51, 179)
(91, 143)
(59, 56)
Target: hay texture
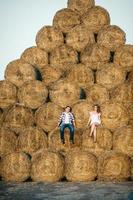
(8, 94)
(47, 116)
(47, 166)
(130, 77)
(111, 37)
(16, 167)
(114, 166)
(80, 166)
(49, 38)
(66, 19)
(1, 116)
(132, 168)
(33, 94)
(96, 18)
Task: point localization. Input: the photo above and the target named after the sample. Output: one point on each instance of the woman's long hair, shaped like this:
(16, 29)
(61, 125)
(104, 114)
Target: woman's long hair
(98, 108)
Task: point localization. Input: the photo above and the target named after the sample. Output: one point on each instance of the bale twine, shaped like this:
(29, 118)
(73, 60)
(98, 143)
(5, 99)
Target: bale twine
(96, 18)
(16, 167)
(32, 94)
(114, 115)
(8, 141)
(63, 57)
(110, 76)
(80, 6)
(95, 56)
(18, 118)
(66, 19)
(104, 141)
(55, 141)
(80, 166)
(114, 166)
(79, 37)
(123, 140)
(18, 72)
(81, 75)
(47, 116)
(124, 57)
(47, 166)
(49, 38)
(111, 37)
(8, 94)
(64, 93)
(96, 94)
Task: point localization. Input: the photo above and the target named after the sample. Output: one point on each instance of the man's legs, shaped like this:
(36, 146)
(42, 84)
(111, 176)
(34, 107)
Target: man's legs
(62, 127)
(71, 128)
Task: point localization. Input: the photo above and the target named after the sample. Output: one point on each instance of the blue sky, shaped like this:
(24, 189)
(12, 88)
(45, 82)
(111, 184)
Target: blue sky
(20, 20)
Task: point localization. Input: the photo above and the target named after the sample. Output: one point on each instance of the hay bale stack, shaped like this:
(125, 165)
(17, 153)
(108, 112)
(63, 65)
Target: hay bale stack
(79, 37)
(47, 166)
(16, 167)
(95, 56)
(80, 166)
(124, 57)
(49, 38)
(64, 93)
(18, 72)
(110, 76)
(47, 116)
(33, 94)
(80, 6)
(8, 94)
(114, 115)
(81, 75)
(114, 166)
(96, 18)
(31, 140)
(66, 19)
(63, 57)
(123, 140)
(104, 141)
(8, 141)
(111, 37)
(18, 118)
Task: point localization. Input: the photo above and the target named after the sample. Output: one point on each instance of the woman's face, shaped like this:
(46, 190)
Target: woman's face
(95, 108)
(67, 109)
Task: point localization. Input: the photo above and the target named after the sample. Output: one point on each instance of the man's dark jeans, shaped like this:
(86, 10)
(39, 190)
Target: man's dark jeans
(70, 127)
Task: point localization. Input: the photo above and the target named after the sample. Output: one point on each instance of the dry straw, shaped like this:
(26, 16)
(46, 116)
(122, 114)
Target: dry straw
(130, 77)
(132, 168)
(1, 117)
(80, 166)
(49, 38)
(16, 167)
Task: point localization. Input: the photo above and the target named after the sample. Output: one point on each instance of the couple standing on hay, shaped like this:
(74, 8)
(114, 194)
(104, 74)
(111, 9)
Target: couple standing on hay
(67, 121)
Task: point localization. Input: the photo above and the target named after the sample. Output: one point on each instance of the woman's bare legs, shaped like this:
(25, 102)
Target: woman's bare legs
(95, 134)
(92, 129)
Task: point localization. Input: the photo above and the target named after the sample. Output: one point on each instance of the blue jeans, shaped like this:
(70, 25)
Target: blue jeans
(70, 127)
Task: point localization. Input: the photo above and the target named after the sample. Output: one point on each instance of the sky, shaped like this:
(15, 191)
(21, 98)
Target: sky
(20, 20)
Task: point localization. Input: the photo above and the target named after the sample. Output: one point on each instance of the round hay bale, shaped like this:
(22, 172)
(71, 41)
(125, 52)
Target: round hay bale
(33, 94)
(16, 167)
(55, 141)
(96, 18)
(130, 77)
(63, 57)
(8, 141)
(66, 19)
(18, 118)
(79, 37)
(64, 93)
(80, 6)
(111, 37)
(47, 116)
(81, 75)
(8, 94)
(97, 94)
(110, 76)
(124, 57)
(31, 140)
(114, 166)
(47, 166)
(129, 107)
(95, 56)
(80, 166)
(18, 72)
(114, 115)
(123, 140)
(48, 38)
(104, 141)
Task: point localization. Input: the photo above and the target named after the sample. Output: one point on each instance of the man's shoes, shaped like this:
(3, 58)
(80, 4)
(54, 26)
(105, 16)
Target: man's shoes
(71, 142)
(63, 141)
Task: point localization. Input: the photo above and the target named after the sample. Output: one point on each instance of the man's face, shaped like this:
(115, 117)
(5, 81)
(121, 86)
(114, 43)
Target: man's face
(67, 109)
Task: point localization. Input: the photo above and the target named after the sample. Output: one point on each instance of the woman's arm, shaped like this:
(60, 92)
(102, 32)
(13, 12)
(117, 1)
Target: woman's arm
(60, 119)
(89, 120)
